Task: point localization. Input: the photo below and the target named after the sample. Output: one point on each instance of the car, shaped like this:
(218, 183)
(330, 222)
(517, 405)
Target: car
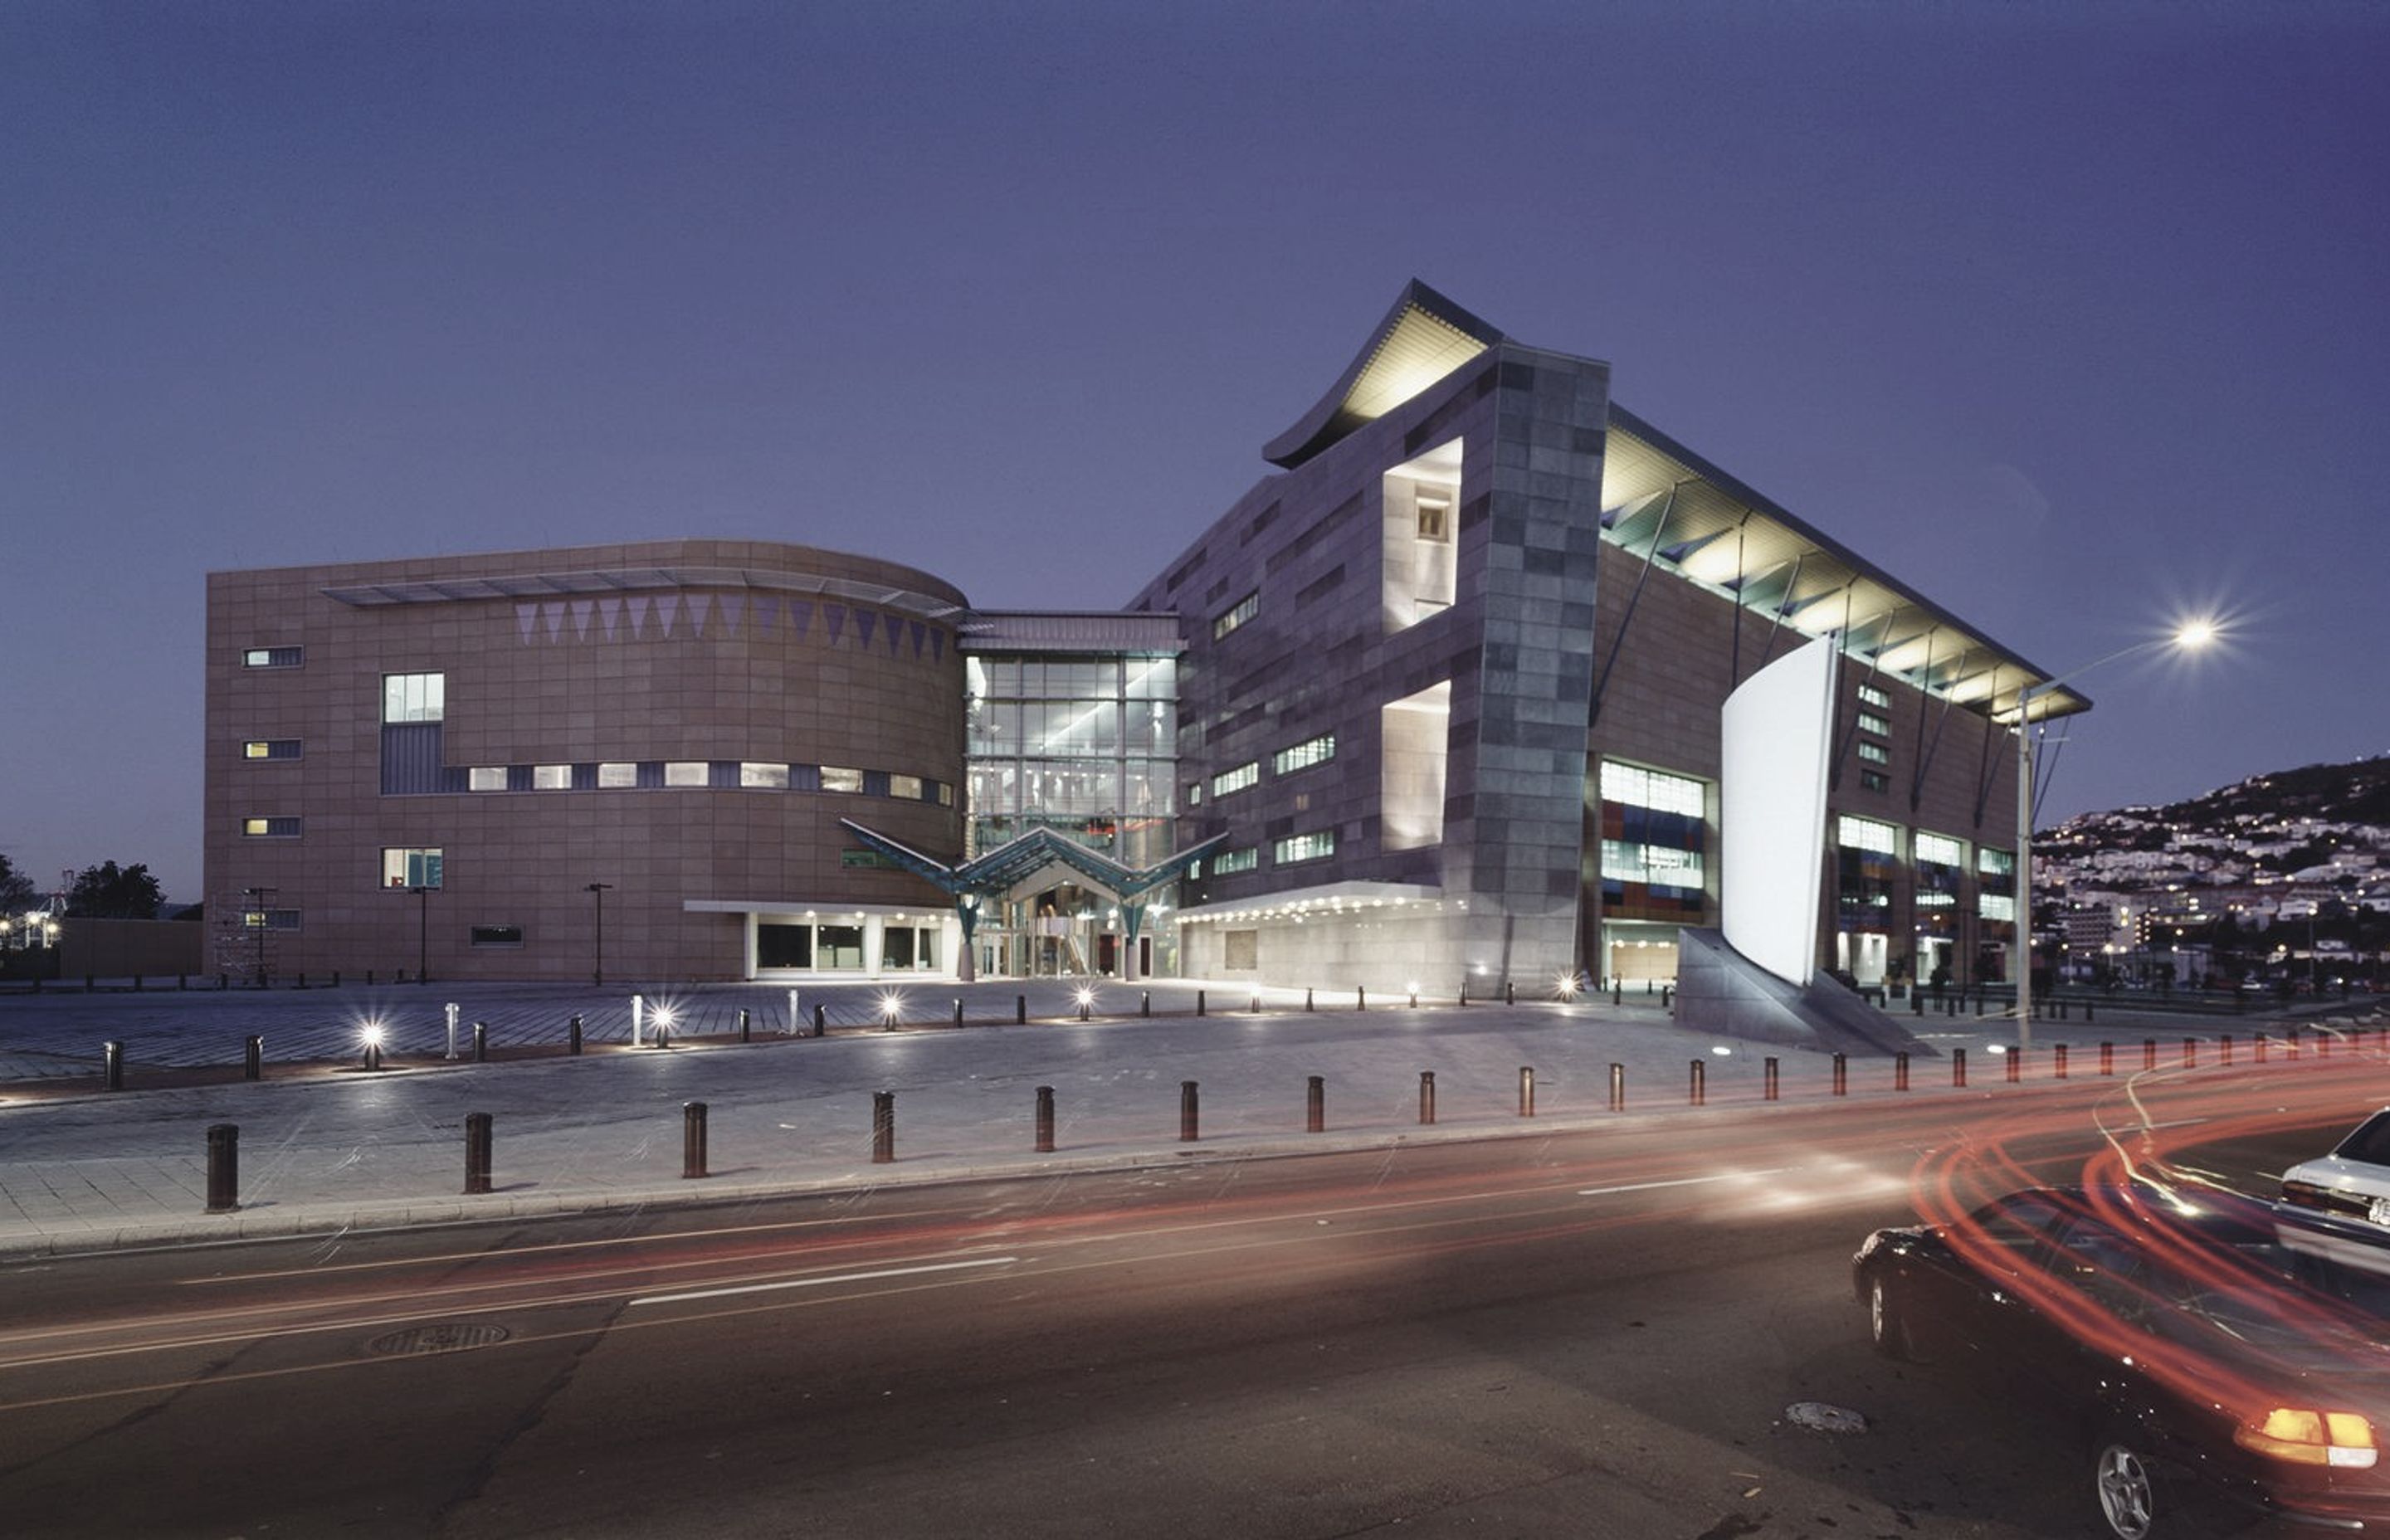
(2192, 1353)
(2353, 1180)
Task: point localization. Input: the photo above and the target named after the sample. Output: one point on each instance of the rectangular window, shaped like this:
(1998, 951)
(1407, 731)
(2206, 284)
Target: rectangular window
(1434, 516)
(769, 778)
(416, 867)
(271, 920)
(1228, 781)
(269, 829)
(1940, 850)
(1871, 696)
(838, 778)
(1230, 861)
(1316, 846)
(946, 793)
(551, 778)
(685, 772)
(1874, 780)
(1867, 834)
(1999, 863)
(1194, 793)
(497, 935)
(1874, 754)
(907, 787)
(618, 773)
(1237, 615)
(1302, 756)
(1633, 786)
(1871, 722)
(270, 748)
(486, 778)
(273, 657)
(1997, 906)
(414, 696)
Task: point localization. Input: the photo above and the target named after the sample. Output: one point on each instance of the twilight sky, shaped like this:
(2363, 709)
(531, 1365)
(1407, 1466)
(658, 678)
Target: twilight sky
(2072, 325)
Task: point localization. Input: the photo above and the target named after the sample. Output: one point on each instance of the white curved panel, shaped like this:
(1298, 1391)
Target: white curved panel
(1776, 733)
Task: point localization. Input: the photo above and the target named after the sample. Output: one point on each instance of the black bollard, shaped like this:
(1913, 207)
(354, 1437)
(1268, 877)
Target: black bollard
(369, 972)
(1617, 993)
(1697, 1089)
(2191, 1053)
(2012, 1065)
(1315, 1104)
(1959, 1068)
(821, 1021)
(692, 1141)
(1526, 1092)
(477, 1152)
(2259, 1044)
(1509, 993)
(1360, 998)
(224, 1167)
(1916, 1002)
(111, 1065)
(1901, 1070)
(1768, 1080)
(746, 1026)
(958, 1010)
(1198, 1002)
(1842, 1076)
(2107, 1058)
(1618, 1087)
(482, 1040)
(1306, 998)
(1145, 1002)
(1021, 1011)
(883, 1127)
(1668, 996)
(2149, 1053)
(2224, 1049)
(1427, 1096)
(572, 1035)
(2089, 1015)
(336, 977)
(252, 1057)
(2058, 1059)
(1044, 1119)
(1187, 1109)
(1464, 992)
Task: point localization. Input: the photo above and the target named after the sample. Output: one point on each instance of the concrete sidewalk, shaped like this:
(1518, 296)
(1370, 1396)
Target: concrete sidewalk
(327, 1150)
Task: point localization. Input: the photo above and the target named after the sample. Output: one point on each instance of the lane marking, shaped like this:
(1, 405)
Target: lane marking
(820, 1282)
(1682, 1182)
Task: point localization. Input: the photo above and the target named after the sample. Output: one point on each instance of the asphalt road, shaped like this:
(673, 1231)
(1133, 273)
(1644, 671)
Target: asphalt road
(1588, 1334)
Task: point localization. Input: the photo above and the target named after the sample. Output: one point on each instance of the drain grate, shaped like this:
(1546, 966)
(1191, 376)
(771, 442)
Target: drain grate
(441, 1337)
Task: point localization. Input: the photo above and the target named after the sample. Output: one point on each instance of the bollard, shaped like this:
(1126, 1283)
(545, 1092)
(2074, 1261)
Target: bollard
(1198, 1002)
(2224, 1049)
(224, 1167)
(746, 1026)
(958, 1010)
(1916, 1002)
(1526, 1092)
(1959, 1068)
(252, 1057)
(821, 1019)
(2149, 1053)
(482, 1040)
(1668, 996)
(2058, 1059)
(369, 979)
(2107, 1058)
(1306, 998)
(1087, 1003)
(477, 1152)
(1360, 998)
(1464, 992)
(1145, 1002)
(301, 984)
(2088, 1016)
(2323, 1044)
(883, 1127)
(1254, 1008)
(1697, 1087)
(1768, 1080)
(2258, 1045)
(1901, 1070)
(224, 980)
(1509, 993)
(1618, 1087)
(2290, 1044)
(692, 1141)
(572, 1035)
(1187, 1108)
(1045, 1145)
(2191, 1053)
(1020, 1011)
(1617, 993)
(1842, 1076)
(1315, 1104)
(1427, 1096)
(111, 1065)
(2013, 1066)
(449, 1011)
(795, 1015)
(1414, 999)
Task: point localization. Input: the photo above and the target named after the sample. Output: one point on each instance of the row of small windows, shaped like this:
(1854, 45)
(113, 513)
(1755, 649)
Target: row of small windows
(1238, 779)
(1316, 846)
(1303, 755)
(1871, 695)
(269, 829)
(1872, 722)
(273, 657)
(1874, 754)
(1237, 614)
(1635, 787)
(753, 775)
(270, 748)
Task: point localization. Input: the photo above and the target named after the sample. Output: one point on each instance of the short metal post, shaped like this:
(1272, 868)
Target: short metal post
(958, 1010)
(111, 1065)
(883, 1127)
(1901, 1070)
(224, 1167)
(746, 1026)
(1526, 1092)
(1768, 1077)
(2259, 1046)
(481, 1042)
(2012, 1065)
(1254, 1006)
(794, 1015)
(1509, 992)
(2323, 1044)
(1198, 1002)
(2089, 1015)
(1360, 998)
(1959, 1068)
(572, 1035)
(1315, 1104)
(2149, 1053)
(449, 1013)
(1842, 1075)
(1020, 1011)
(2107, 1058)
(1617, 993)
(1618, 1087)
(1464, 992)
(1187, 1109)
(2191, 1053)
(2058, 1059)
(252, 1057)
(1427, 1096)
(821, 1019)
(1916, 1001)
(1306, 998)
(692, 1141)
(1145, 1002)
(1697, 1087)
(1045, 1145)
(2291, 1043)
(1668, 996)
(477, 1152)
(2224, 1049)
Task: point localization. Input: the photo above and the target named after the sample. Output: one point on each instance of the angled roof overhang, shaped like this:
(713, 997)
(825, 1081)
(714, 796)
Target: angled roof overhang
(1424, 338)
(1016, 861)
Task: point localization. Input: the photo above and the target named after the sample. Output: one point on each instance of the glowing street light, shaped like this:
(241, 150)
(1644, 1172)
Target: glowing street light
(891, 1005)
(1087, 998)
(371, 1034)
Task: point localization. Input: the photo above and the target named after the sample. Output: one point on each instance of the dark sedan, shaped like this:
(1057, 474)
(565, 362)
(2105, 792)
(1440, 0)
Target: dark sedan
(2208, 1366)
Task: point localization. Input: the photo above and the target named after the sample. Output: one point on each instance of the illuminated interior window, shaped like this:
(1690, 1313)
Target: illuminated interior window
(838, 778)
(1229, 781)
(413, 697)
(1867, 834)
(410, 867)
(907, 787)
(769, 778)
(551, 778)
(1316, 846)
(1236, 615)
(618, 773)
(1303, 755)
(1871, 696)
(270, 748)
(685, 772)
(486, 778)
(1413, 734)
(1230, 861)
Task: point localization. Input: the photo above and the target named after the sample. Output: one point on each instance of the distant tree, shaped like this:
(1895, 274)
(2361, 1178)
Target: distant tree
(106, 893)
(15, 888)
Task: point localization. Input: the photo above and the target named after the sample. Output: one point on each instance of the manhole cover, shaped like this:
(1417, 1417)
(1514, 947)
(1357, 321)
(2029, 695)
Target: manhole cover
(1823, 1419)
(446, 1337)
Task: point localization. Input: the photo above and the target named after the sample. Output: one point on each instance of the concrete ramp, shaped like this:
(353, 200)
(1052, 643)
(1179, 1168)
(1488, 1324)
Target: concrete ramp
(1719, 990)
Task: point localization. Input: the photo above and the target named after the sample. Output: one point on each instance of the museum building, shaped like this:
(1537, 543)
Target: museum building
(1438, 700)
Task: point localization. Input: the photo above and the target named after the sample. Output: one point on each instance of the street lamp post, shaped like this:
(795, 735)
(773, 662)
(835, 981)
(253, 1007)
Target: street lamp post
(597, 967)
(2189, 637)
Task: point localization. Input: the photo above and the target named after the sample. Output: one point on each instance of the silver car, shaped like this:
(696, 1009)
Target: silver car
(2352, 1181)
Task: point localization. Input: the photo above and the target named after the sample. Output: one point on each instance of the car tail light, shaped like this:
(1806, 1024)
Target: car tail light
(2304, 1437)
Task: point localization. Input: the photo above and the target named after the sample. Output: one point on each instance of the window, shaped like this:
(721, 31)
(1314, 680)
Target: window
(1194, 793)
(1871, 696)
(770, 777)
(410, 867)
(270, 920)
(1635, 787)
(270, 748)
(497, 935)
(1997, 906)
(1874, 754)
(1871, 722)
(1874, 780)
(551, 778)
(269, 829)
(273, 657)
(1237, 615)
(1867, 834)
(1939, 850)
(907, 787)
(946, 793)
(685, 772)
(617, 772)
(414, 696)
(1230, 861)
(1316, 846)
(838, 778)
(1434, 516)
(1302, 756)
(1246, 774)
(2001, 863)
(486, 778)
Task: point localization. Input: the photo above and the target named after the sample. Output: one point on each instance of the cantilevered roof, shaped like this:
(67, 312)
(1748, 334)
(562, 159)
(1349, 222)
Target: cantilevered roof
(1424, 338)
(1659, 498)
(1069, 631)
(536, 585)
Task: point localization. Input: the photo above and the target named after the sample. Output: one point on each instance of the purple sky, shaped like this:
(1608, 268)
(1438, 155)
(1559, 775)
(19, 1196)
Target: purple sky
(2071, 325)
